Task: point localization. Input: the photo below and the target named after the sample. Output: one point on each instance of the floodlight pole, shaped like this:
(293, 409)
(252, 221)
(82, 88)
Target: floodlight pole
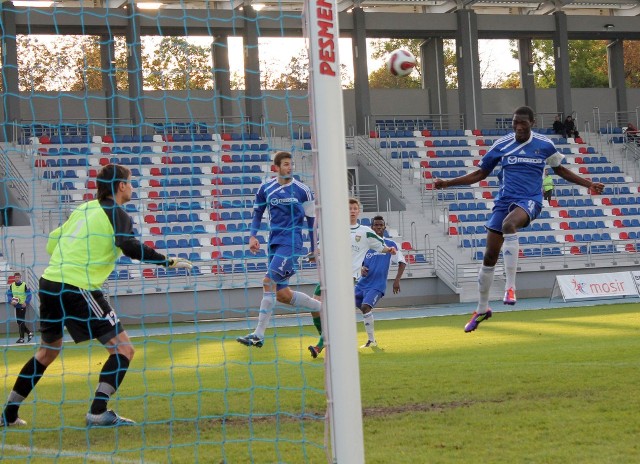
(327, 116)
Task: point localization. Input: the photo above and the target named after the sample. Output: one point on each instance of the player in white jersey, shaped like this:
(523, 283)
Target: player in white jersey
(289, 202)
(362, 240)
(371, 286)
(523, 156)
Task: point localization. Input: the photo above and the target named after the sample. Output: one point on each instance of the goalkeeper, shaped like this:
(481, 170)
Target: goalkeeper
(83, 253)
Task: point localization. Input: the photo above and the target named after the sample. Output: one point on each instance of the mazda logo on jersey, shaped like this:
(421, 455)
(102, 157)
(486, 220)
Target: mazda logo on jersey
(282, 201)
(521, 159)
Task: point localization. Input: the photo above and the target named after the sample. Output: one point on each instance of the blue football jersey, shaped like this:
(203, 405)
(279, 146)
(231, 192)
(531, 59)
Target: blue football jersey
(522, 164)
(288, 205)
(378, 265)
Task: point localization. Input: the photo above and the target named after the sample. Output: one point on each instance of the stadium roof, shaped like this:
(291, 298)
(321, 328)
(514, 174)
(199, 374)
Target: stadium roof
(516, 7)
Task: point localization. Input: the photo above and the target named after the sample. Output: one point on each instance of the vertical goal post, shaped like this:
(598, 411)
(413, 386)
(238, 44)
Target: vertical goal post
(327, 120)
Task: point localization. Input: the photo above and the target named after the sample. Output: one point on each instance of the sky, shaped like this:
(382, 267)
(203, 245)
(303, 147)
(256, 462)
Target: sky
(279, 53)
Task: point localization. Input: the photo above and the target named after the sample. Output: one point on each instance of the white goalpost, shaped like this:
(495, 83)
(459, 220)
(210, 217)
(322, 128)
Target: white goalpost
(327, 118)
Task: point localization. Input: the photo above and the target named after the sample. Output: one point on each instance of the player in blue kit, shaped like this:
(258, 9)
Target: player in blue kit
(289, 202)
(522, 156)
(371, 286)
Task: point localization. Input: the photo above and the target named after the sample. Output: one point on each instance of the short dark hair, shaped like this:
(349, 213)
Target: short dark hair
(281, 155)
(109, 178)
(378, 218)
(525, 111)
(17, 274)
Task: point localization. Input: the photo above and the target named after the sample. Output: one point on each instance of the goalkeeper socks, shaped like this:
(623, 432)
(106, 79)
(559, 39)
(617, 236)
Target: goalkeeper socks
(485, 279)
(29, 376)
(317, 322)
(302, 300)
(111, 377)
(367, 319)
(510, 250)
(320, 343)
(266, 308)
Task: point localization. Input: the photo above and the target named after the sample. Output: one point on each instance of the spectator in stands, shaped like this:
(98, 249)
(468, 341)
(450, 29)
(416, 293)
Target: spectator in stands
(371, 286)
(558, 127)
(289, 202)
(570, 128)
(83, 253)
(19, 296)
(522, 155)
(547, 186)
(363, 240)
(631, 132)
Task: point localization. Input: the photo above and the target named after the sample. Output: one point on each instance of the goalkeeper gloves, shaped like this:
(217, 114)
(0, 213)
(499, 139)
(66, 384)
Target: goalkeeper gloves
(180, 263)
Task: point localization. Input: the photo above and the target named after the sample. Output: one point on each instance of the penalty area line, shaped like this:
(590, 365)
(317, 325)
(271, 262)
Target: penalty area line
(91, 457)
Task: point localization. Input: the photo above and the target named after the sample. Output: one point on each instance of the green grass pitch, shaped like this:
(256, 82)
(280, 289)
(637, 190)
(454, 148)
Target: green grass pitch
(546, 386)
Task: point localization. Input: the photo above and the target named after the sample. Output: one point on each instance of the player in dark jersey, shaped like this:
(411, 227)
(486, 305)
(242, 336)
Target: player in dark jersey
(371, 286)
(289, 202)
(522, 156)
(83, 253)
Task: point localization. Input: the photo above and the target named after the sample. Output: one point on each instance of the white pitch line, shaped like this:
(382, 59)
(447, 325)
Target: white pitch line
(87, 456)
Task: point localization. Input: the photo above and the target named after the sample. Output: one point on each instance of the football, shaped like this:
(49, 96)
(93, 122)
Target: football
(14, 301)
(401, 62)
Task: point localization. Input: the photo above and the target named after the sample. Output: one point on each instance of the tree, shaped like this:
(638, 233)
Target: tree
(380, 78)
(176, 64)
(296, 74)
(587, 63)
(632, 63)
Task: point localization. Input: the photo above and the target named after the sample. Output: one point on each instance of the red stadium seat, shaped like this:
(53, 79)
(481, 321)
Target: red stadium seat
(226, 158)
(216, 254)
(155, 231)
(575, 250)
(569, 238)
(88, 197)
(150, 219)
(406, 246)
(431, 154)
(453, 218)
(148, 273)
(154, 183)
(107, 139)
(624, 236)
(476, 132)
(215, 170)
(424, 164)
(153, 207)
(166, 160)
(105, 150)
(618, 223)
(373, 134)
(630, 247)
(453, 231)
(215, 241)
(583, 150)
(226, 137)
(616, 212)
(104, 161)
(214, 217)
(150, 244)
(221, 227)
(564, 214)
(565, 226)
(428, 143)
(91, 184)
(553, 203)
(410, 259)
(427, 175)
(483, 152)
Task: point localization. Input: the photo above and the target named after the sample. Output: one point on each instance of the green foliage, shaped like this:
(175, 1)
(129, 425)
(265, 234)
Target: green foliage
(587, 63)
(177, 64)
(381, 79)
(530, 386)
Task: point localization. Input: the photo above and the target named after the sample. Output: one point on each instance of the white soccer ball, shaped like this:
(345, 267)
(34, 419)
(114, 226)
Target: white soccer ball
(401, 62)
(14, 301)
